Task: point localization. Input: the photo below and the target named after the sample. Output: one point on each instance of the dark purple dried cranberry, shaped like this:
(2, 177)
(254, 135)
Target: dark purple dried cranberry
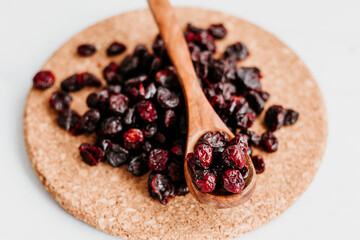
(215, 139)
(150, 91)
(87, 123)
(150, 130)
(133, 138)
(222, 70)
(115, 48)
(111, 75)
(129, 66)
(177, 150)
(249, 79)
(204, 181)
(169, 118)
(291, 117)
(98, 100)
(89, 79)
(147, 111)
(60, 101)
(160, 187)
(91, 154)
(237, 51)
(234, 157)
(104, 143)
(111, 126)
(67, 119)
(118, 103)
(43, 80)
(203, 154)
(236, 102)
(255, 101)
(129, 116)
(113, 89)
(138, 165)
(86, 50)
(244, 172)
(274, 117)
(203, 39)
(217, 102)
(233, 181)
(147, 147)
(181, 188)
(167, 98)
(116, 155)
(136, 80)
(167, 78)
(218, 31)
(259, 164)
(269, 142)
(72, 83)
(246, 119)
(159, 48)
(254, 139)
(190, 158)
(264, 95)
(175, 171)
(158, 159)
(241, 141)
(194, 29)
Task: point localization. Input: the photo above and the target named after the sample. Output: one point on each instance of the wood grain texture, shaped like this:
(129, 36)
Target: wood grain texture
(114, 201)
(201, 116)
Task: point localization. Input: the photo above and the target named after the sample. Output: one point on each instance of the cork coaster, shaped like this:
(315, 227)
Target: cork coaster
(114, 201)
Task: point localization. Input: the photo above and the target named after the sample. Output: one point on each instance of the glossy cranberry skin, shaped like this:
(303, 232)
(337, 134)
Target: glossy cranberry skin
(115, 48)
(158, 159)
(60, 101)
(67, 119)
(259, 164)
(87, 123)
(234, 157)
(72, 83)
(118, 103)
(249, 79)
(167, 98)
(138, 165)
(215, 139)
(111, 126)
(133, 138)
(91, 154)
(89, 79)
(204, 181)
(218, 31)
(160, 187)
(147, 112)
(236, 51)
(166, 78)
(269, 142)
(169, 118)
(116, 155)
(203, 155)
(233, 181)
(274, 117)
(255, 101)
(98, 100)
(291, 117)
(111, 75)
(253, 138)
(86, 50)
(43, 80)
(244, 172)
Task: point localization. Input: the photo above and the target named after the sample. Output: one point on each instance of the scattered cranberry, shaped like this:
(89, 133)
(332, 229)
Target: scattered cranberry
(60, 101)
(115, 48)
(233, 181)
(217, 31)
(67, 119)
(158, 159)
(160, 187)
(90, 154)
(43, 80)
(111, 75)
(86, 50)
(166, 98)
(259, 164)
(133, 138)
(291, 117)
(138, 165)
(116, 155)
(72, 83)
(87, 123)
(274, 117)
(237, 51)
(269, 142)
(204, 181)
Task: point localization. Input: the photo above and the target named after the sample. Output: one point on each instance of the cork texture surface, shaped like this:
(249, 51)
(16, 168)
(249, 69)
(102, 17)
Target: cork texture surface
(114, 201)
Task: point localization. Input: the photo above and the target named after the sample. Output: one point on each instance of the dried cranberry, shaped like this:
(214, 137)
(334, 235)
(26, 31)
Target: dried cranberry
(111, 126)
(158, 159)
(111, 75)
(129, 116)
(244, 172)
(160, 187)
(291, 117)
(190, 158)
(116, 155)
(254, 139)
(43, 80)
(159, 48)
(259, 164)
(60, 101)
(91, 154)
(234, 157)
(217, 31)
(249, 79)
(147, 111)
(241, 141)
(115, 48)
(215, 139)
(136, 80)
(87, 123)
(129, 66)
(274, 117)
(167, 78)
(237, 51)
(233, 181)
(255, 101)
(98, 100)
(217, 102)
(86, 50)
(203, 154)
(181, 188)
(204, 40)
(167, 98)
(177, 150)
(236, 102)
(133, 138)
(169, 118)
(138, 165)
(175, 170)
(147, 146)
(244, 120)
(113, 89)
(150, 91)
(204, 181)
(269, 142)
(72, 83)
(67, 119)
(118, 103)
(150, 130)
(194, 29)
(104, 143)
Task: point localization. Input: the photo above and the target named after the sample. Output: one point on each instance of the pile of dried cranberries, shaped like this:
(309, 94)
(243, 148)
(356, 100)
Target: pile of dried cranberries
(139, 117)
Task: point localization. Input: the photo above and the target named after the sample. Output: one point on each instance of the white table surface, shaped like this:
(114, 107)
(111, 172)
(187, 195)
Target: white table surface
(325, 34)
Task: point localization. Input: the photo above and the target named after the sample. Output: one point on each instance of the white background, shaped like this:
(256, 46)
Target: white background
(325, 34)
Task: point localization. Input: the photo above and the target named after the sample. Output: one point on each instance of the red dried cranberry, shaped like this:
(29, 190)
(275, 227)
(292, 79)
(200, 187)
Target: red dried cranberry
(147, 111)
(169, 118)
(138, 165)
(269, 142)
(274, 117)
(203, 155)
(244, 120)
(86, 50)
(190, 158)
(110, 74)
(244, 172)
(67, 119)
(237, 51)
(160, 187)
(175, 170)
(98, 100)
(291, 117)
(234, 157)
(72, 83)
(218, 31)
(43, 80)
(249, 79)
(259, 164)
(241, 141)
(158, 159)
(167, 98)
(204, 181)
(233, 181)
(150, 130)
(215, 139)
(91, 154)
(60, 101)
(111, 126)
(177, 150)
(116, 155)
(115, 48)
(133, 138)
(118, 103)
(87, 123)
(236, 102)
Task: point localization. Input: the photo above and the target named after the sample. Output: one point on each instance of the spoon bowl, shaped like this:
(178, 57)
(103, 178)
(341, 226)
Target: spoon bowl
(201, 116)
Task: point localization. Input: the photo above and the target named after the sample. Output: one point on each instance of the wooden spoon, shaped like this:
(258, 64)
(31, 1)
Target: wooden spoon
(201, 116)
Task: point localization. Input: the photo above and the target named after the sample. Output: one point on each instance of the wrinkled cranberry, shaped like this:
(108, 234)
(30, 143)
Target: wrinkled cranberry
(129, 116)
(166, 98)
(72, 83)
(133, 138)
(160, 187)
(87, 123)
(115, 48)
(255, 101)
(147, 111)
(111, 126)
(67, 119)
(204, 181)
(111, 75)
(60, 101)
(254, 139)
(89, 79)
(249, 79)
(177, 150)
(244, 120)
(150, 130)
(167, 78)
(104, 143)
(274, 117)
(138, 165)
(269, 142)
(86, 50)
(244, 172)
(217, 31)
(217, 102)
(233, 181)
(241, 141)
(291, 117)
(169, 118)
(158, 159)
(190, 158)
(91, 154)
(215, 139)
(237, 51)
(234, 157)
(43, 80)
(175, 171)
(118, 103)
(259, 164)
(222, 70)
(150, 91)
(147, 147)
(203, 154)
(116, 155)
(98, 100)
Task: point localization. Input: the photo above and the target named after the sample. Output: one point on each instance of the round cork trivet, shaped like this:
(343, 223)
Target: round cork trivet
(114, 201)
